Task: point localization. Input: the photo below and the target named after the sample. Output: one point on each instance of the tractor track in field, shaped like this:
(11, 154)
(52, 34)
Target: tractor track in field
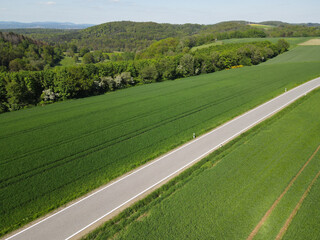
(114, 141)
(297, 207)
(110, 126)
(274, 205)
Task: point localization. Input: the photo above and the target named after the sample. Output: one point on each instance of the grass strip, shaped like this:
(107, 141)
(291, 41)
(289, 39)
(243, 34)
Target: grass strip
(274, 205)
(295, 210)
(144, 208)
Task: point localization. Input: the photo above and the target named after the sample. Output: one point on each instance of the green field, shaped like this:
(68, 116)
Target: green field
(294, 41)
(297, 54)
(67, 61)
(309, 215)
(56, 153)
(206, 45)
(227, 194)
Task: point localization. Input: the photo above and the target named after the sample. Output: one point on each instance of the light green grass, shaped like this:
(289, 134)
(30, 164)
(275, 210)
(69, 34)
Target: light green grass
(294, 41)
(206, 46)
(228, 200)
(305, 224)
(67, 61)
(281, 213)
(298, 54)
(53, 154)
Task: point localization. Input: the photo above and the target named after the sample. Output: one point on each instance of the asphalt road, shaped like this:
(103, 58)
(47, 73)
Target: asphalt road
(74, 219)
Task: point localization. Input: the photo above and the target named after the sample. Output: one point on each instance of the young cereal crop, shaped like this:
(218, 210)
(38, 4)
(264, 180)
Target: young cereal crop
(236, 187)
(53, 154)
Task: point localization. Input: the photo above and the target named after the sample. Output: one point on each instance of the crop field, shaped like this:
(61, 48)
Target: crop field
(294, 41)
(261, 26)
(311, 42)
(298, 54)
(206, 45)
(229, 192)
(56, 153)
(306, 222)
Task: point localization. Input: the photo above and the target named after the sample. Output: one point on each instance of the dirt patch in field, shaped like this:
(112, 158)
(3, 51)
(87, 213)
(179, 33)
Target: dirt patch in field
(312, 42)
(295, 210)
(268, 213)
(142, 217)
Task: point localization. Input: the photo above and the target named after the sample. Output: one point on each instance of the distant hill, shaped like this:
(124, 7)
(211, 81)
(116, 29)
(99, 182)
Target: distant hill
(18, 52)
(16, 39)
(127, 36)
(274, 23)
(310, 24)
(55, 25)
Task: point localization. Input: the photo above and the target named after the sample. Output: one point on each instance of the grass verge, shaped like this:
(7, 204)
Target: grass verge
(51, 155)
(228, 199)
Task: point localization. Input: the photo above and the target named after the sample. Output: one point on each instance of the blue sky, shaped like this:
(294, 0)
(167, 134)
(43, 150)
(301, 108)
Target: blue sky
(169, 11)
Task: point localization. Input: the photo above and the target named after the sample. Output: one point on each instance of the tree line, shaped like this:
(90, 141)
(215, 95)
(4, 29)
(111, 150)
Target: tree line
(28, 88)
(18, 52)
(136, 36)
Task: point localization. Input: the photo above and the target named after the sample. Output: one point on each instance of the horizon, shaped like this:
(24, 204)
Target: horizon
(174, 12)
(86, 23)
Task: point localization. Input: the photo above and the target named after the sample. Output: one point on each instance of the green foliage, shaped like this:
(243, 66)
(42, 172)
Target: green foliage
(213, 199)
(137, 36)
(160, 48)
(88, 58)
(283, 45)
(83, 51)
(58, 152)
(74, 81)
(149, 73)
(20, 53)
(186, 67)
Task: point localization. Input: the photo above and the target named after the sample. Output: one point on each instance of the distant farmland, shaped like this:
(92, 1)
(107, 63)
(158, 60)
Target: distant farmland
(53, 154)
(227, 194)
(294, 41)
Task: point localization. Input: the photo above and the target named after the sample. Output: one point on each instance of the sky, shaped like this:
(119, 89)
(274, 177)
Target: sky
(161, 11)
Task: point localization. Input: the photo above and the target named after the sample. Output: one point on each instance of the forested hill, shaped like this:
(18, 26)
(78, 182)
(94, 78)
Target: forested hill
(15, 39)
(119, 36)
(18, 52)
(129, 36)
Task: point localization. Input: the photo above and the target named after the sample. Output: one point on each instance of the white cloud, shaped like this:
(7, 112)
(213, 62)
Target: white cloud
(114, 0)
(3, 9)
(48, 3)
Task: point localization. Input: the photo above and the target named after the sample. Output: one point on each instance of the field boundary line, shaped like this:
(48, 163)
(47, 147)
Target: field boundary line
(198, 158)
(284, 229)
(178, 149)
(268, 213)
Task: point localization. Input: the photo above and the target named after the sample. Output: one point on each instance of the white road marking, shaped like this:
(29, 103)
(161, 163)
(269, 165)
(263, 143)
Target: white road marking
(185, 145)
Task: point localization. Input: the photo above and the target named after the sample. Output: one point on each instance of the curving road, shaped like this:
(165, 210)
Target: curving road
(78, 217)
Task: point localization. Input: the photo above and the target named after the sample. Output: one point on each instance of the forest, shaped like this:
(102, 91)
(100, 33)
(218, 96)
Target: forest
(28, 88)
(117, 55)
(128, 36)
(18, 52)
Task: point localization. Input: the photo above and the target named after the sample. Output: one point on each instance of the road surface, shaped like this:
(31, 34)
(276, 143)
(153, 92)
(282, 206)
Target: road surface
(78, 217)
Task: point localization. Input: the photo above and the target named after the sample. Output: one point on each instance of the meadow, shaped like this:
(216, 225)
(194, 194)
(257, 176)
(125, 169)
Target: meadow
(293, 41)
(228, 193)
(306, 222)
(56, 153)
